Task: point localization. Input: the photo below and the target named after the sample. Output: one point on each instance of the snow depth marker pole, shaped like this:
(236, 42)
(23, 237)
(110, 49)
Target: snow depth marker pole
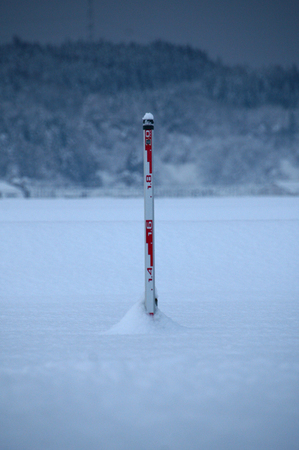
(148, 133)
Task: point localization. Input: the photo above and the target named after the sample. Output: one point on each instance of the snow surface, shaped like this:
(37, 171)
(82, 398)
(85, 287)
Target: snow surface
(82, 366)
(148, 116)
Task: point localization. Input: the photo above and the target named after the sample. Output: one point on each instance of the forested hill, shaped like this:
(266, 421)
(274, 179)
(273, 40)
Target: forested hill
(72, 113)
(105, 67)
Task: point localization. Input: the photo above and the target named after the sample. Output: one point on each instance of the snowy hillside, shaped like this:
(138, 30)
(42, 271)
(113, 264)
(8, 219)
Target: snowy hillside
(81, 366)
(70, 115)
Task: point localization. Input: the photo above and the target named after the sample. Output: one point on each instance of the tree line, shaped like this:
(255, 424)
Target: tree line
(68, 111)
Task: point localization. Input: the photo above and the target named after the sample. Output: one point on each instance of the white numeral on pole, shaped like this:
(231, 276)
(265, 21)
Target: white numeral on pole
(148, 134)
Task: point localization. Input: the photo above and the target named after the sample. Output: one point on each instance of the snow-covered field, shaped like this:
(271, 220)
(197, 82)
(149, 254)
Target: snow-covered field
(217, 367)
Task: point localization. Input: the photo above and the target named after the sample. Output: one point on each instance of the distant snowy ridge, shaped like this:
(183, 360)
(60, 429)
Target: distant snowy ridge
(71, 115)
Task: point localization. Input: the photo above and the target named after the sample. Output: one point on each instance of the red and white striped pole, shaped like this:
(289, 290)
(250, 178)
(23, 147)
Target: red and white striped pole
(148, 133)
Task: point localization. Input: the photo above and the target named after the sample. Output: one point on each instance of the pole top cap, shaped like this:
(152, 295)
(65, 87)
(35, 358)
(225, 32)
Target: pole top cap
(148, 120)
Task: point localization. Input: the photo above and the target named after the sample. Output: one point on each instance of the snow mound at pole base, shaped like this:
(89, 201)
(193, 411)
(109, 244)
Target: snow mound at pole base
(137, 321)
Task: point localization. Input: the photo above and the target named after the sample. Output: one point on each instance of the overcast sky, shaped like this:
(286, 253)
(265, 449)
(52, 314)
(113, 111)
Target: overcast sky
(254, 32)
